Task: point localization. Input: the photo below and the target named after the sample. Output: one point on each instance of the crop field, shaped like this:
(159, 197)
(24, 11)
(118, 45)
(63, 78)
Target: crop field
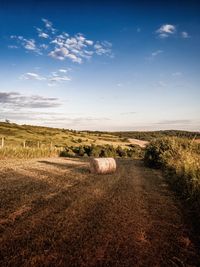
(54, 212)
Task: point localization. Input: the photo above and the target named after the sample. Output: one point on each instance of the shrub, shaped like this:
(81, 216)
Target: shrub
(102, 151)
(180, 160)
(159, 151)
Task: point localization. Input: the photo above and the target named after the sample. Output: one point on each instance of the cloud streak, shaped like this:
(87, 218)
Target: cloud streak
(52, 79)
(14, 100)
(174, 122)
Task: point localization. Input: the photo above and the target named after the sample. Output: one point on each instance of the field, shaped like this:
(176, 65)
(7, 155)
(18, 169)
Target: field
(45, 137)
(55, 213)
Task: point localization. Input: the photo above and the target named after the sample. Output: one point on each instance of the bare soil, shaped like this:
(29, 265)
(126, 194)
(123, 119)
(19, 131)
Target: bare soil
(55, 213)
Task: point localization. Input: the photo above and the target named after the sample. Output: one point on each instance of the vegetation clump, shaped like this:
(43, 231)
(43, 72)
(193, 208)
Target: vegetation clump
(102, 151)
(180, 159)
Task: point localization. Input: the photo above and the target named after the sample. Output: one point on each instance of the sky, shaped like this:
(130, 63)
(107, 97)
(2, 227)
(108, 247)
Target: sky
(101, 65)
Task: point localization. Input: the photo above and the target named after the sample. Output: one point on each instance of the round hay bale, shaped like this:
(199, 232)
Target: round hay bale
(103, 165)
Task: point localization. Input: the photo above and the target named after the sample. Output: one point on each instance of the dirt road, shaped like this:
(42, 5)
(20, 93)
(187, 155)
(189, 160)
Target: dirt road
(55, 213)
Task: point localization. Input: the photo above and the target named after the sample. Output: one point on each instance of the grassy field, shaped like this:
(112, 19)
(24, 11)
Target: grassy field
(37, 136)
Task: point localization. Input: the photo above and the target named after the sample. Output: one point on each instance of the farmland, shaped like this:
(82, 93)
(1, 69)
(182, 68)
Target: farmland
(54, 212)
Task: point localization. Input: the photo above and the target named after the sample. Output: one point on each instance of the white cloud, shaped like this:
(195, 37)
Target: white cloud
(62, 46)
(59, 78)
(30, 44)
(44, 46)
(166, 30)
(74, 58)
(49, 25)
(14, 100)
(43, 35)
(32, 76)
(63, 70)
(185, 35)
(89, 42)
(102, 48)
(52, 79)
(59, 53)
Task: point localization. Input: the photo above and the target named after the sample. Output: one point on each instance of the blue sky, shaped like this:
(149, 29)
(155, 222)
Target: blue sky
(101, 65)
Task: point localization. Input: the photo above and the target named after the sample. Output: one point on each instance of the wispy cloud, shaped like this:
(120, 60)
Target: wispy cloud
(128, 113)
(49, 25)
(52, 79)
(28, 44)
(63, 70)
(42, 34)
(54, 119)
(174, 122)
(162, 84)
(102, 48)
(13, 46)
(56, 78)
(13, 100)
(185, 35)
(156, 53)
(166, 30)
(32, 76)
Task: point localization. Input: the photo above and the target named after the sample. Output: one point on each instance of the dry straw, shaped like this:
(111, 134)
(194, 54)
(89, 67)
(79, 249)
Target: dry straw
(102, 165)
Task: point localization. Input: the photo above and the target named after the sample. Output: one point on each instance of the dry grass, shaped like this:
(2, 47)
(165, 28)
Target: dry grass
(138, 142)
(28, 152)
(54, 212)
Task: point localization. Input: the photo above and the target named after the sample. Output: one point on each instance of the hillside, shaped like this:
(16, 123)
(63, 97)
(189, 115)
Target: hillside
(16, 135)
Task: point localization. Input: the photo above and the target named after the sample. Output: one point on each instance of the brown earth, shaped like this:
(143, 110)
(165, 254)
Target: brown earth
(55, 213)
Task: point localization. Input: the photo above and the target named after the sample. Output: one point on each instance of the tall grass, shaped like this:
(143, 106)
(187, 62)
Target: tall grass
(28, 152)
(180, 159)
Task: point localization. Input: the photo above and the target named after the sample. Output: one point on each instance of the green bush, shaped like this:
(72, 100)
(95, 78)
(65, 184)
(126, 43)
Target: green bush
(102, 151)
(159, 151)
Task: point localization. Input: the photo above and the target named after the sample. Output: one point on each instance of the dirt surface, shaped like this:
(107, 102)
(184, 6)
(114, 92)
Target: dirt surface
(138, 142)
(55, 213)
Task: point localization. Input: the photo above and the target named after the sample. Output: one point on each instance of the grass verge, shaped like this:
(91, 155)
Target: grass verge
(180, 160)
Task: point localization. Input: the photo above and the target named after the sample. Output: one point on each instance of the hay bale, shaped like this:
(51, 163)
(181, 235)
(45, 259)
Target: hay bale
(102, 165)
